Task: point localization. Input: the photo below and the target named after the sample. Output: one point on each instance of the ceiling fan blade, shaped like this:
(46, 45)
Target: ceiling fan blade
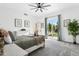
(33, 8)
(32, 5)
(47, 6)
(41, 10)
(42, 4)
(36, 10)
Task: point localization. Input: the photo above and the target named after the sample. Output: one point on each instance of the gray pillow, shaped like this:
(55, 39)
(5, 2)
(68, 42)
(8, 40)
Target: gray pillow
(11, 35)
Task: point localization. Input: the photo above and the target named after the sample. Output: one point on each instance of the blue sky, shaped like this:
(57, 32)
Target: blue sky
(53, 20)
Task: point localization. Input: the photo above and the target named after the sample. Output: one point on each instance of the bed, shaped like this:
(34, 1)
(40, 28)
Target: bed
(26, 42)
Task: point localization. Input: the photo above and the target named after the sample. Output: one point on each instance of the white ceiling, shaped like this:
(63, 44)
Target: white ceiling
(23, 7)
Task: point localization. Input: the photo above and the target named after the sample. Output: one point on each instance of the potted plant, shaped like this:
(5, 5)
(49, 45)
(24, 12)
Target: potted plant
(2, 34)
(73, 28)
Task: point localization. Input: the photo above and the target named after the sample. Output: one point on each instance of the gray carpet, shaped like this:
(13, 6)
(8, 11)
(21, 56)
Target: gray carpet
(55, 48)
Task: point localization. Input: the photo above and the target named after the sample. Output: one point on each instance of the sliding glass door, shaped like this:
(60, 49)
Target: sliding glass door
(52, 27)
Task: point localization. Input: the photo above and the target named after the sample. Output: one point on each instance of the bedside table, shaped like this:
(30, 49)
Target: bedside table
(14, 50)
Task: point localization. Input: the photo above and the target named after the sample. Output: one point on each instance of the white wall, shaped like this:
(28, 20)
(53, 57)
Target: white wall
(7, 19)
(41, 31)
(70, 13)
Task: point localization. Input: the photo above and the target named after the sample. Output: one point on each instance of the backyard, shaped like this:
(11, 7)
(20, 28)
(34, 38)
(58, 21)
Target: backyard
(52, 25)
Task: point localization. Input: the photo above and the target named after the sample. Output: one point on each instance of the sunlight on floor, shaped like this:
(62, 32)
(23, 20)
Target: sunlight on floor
(52, 38)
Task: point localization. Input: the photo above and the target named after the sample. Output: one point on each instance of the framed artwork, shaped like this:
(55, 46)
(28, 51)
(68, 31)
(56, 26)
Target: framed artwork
(66, 22)
(26, 23)
(18, 22)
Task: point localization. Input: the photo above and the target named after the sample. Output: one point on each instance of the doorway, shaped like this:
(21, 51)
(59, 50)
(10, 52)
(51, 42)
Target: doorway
(52, 27)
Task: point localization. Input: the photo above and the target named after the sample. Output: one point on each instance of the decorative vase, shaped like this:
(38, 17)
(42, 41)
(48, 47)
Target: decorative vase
(1, 45)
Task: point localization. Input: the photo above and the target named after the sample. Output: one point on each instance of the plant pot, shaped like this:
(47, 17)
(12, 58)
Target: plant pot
(1, 45)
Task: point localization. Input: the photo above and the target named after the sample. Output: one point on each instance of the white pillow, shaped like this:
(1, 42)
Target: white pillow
(20, 33)
(8, 39)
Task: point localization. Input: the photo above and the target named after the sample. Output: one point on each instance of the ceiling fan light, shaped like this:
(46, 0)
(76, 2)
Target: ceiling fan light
(40, 6)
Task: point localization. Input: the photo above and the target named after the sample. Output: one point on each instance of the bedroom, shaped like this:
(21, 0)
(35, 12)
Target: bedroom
(25, 23)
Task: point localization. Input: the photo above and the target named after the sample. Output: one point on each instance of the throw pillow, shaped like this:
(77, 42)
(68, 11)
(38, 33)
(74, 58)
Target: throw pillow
(7, 39)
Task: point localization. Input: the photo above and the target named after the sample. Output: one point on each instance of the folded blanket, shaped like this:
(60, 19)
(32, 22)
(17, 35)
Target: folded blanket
(39, 39)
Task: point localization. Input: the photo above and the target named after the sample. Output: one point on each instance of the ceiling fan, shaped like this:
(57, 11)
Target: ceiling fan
(39, 6)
